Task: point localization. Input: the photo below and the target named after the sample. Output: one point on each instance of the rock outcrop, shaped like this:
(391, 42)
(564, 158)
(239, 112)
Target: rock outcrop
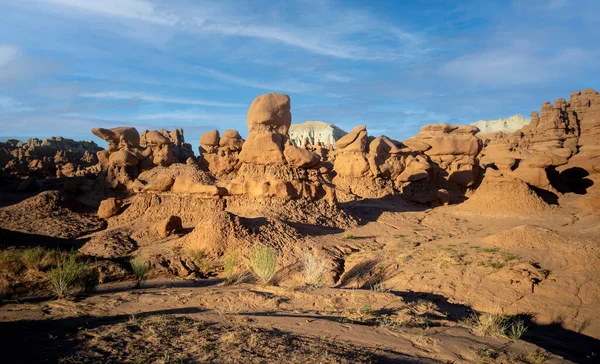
(53, 157)
(504, 125)
(561, 140)
(128, 153)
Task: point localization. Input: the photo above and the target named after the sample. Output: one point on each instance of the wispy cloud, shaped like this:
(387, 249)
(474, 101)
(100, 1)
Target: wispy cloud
(124, 95)
(187, 115)
(10, 105)
(132, 9)
(514, 66)
(338, 39)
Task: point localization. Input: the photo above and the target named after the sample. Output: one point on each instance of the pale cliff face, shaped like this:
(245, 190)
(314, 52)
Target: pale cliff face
(315, 132)
(506, 125)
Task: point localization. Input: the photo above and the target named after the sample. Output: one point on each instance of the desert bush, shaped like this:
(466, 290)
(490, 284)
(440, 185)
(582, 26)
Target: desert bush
(315, 270)
(71, 277)
(350, 236)
(229, 264)
(492, 323)
(34, 258)
(263, 263)
(140, 269)
(516, 330)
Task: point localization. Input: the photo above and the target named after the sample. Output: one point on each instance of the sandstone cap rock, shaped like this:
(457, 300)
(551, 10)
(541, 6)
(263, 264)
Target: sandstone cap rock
(270, 112)
(210, 138)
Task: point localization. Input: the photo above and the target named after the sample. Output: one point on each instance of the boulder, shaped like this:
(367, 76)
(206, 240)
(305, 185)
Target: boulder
(162, 183)
(300, 158)
(109, 208)
(210, 138)
(169, 226)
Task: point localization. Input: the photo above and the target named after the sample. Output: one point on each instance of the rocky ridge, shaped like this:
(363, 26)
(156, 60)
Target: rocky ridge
(505, 125)
(315, 132)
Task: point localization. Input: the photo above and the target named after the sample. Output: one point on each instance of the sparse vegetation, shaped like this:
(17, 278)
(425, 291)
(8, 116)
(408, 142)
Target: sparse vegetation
(492, 323)
(263, 263)
(200, 261)
(349, 236)
(34, 258)
(140, 270)
(71, 277)
(314, 270)
(10, 262)
(487, 354)
(536, 357)
(516, 330)
(229, 265)
(491, 264)
(498, 324)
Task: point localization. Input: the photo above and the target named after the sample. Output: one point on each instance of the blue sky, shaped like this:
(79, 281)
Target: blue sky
(67, 66)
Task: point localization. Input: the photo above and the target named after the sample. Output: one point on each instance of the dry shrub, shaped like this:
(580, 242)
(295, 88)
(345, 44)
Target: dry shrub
(315, 270)
(263, 263)
(71, 277)
(140, 269)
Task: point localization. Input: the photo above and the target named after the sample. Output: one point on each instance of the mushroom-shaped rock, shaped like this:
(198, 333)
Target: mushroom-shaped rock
(210, 138)
(300, 158)
(123, 134)
(349, 138)
(109, 208)
(169, 226)
(270, 112)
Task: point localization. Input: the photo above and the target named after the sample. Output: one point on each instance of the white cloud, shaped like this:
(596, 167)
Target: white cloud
(124, 95)
(132, 9)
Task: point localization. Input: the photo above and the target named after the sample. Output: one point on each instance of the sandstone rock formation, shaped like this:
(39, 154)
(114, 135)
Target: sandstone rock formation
(560, 141)
(53, 157)
(269, 119)
(128, 154)
(314, 133)
(504, 125)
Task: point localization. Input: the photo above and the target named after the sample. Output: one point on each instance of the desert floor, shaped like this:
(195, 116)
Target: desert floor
(416, 285)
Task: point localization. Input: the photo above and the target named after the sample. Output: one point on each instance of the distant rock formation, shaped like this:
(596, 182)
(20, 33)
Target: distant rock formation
(315, 132)
(53, 157)
(505, 125)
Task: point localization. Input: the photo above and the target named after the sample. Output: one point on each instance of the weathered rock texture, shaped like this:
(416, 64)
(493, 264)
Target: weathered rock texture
(128, 153)
(557, 149)
(314, 133)
(54, 157)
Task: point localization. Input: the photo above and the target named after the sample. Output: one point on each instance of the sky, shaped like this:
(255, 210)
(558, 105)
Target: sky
(67, 66)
